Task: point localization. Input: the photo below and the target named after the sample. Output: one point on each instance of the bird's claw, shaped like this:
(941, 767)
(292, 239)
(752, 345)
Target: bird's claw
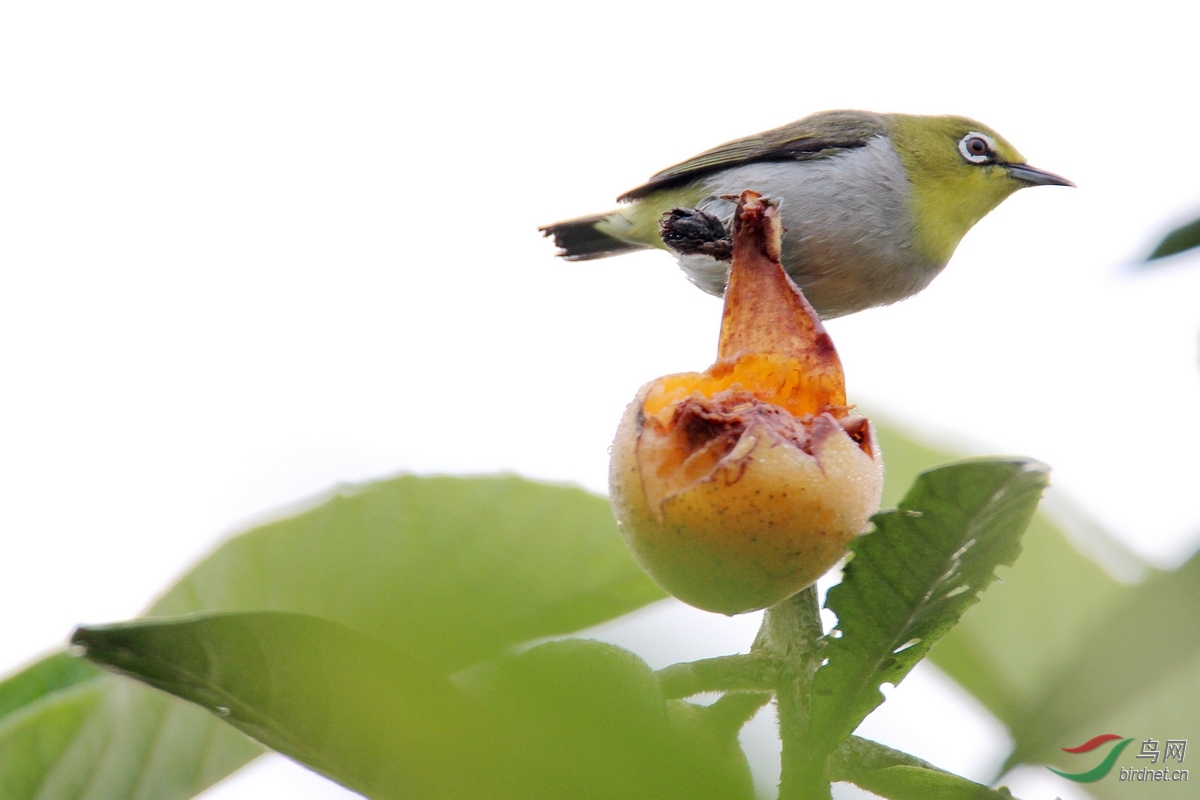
(690, 231)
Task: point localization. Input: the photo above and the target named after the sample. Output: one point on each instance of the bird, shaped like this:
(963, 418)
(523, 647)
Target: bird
(873, 205)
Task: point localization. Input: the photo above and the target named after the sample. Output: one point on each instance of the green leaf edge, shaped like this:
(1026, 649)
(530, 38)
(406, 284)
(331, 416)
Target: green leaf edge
(899, 776)
(1184, 238)
(54, 673)
(1031, 471)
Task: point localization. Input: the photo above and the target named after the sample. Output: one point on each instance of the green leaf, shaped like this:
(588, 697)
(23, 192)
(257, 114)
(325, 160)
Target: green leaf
(38, 736)
(450, 571)
(911, 579)
(1008, 648)
(916, 783)
(1137, 671)
(899, 776)
(112, 738)
(1060, 651)
(566, 719)
(67, 730)
(52, 674)
(1182, 238)
(311, 689)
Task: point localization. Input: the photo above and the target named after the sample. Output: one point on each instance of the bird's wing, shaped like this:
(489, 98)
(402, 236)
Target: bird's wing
(816, 136)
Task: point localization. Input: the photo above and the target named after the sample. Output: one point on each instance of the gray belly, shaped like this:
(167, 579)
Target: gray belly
(848, 241)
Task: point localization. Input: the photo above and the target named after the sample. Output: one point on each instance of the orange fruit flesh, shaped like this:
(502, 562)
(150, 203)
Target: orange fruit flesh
(694, 419)
(787, 382)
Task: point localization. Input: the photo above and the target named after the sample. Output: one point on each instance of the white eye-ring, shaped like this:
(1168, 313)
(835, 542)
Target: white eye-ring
(977, 148)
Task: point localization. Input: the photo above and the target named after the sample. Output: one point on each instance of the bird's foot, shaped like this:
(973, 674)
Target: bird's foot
(690, 231)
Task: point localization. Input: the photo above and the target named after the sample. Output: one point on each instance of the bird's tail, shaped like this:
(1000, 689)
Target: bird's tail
(581, 240)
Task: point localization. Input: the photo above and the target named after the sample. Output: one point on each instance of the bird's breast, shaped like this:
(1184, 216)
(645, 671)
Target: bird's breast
(849, 240)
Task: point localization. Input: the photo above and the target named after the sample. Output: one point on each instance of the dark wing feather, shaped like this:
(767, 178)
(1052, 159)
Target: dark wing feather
(816, 136)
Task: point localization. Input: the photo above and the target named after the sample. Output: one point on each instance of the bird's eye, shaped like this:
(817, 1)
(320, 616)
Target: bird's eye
(977, 148)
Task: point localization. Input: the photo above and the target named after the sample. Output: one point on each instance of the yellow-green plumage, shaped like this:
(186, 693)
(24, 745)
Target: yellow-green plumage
(643, 227)
(874, 204)
(949, 196)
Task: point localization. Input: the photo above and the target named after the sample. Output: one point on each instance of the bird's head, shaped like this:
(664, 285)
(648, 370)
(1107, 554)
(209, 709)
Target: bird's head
(960, 170)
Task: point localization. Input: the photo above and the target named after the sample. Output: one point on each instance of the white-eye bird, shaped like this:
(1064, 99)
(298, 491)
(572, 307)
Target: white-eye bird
(873, 204)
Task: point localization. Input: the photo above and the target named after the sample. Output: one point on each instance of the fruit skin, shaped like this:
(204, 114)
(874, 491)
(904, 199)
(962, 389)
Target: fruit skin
(765, 522)
(739, 486)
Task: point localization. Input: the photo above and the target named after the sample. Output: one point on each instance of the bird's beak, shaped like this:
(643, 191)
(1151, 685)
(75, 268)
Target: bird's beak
(1034, 176)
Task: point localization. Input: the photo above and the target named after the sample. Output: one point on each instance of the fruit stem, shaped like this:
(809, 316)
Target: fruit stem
(793, 634)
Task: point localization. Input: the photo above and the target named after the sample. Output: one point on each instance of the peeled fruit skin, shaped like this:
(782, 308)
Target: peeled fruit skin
(757, 524)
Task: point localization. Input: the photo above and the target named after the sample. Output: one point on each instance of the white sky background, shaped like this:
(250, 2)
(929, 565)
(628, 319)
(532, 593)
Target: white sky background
(250, 250)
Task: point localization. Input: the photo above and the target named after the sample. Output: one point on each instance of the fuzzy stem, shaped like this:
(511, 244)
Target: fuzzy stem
(794, 636)
(735, 709)
(753, 672)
